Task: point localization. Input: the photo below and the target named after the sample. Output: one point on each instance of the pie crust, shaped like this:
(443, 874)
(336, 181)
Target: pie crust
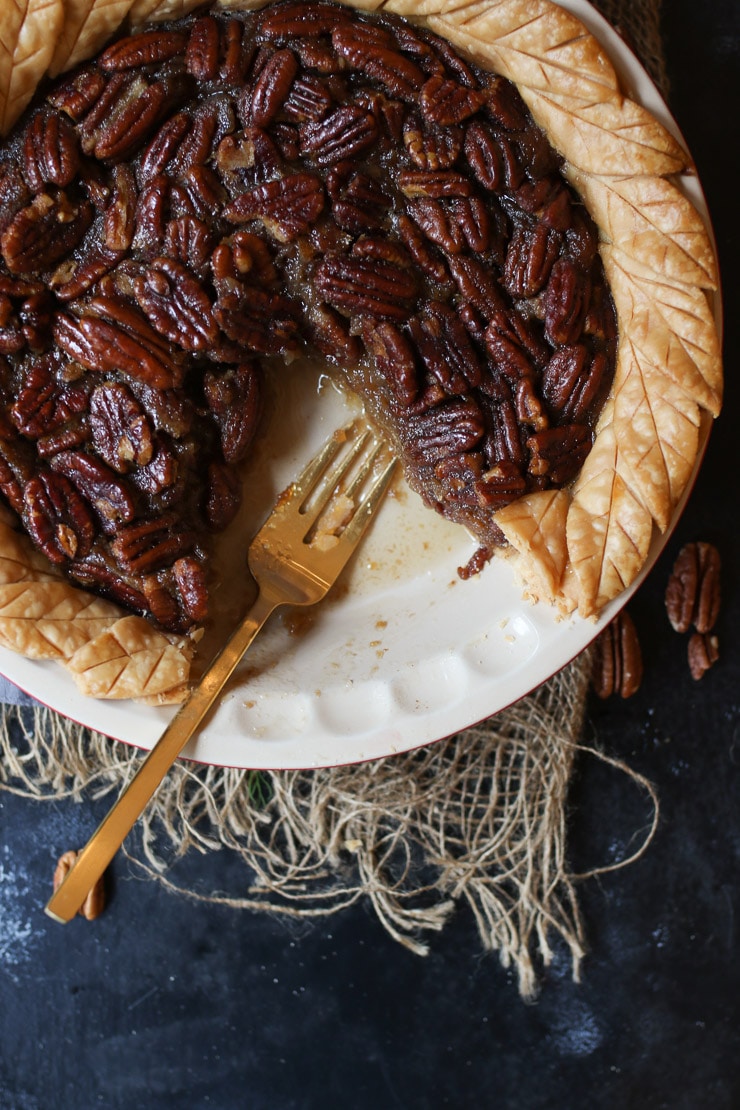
(577, 547)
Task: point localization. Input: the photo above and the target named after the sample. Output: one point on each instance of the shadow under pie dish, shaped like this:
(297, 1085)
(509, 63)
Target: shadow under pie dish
(206, 197)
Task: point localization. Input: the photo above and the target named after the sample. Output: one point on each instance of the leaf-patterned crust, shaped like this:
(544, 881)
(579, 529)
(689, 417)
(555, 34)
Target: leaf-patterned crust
(657, 427)
(50, 619)
(671, 322)
(19, 562)
(521, 40)
(29, 32)
(88, 24)
(651, 220)
(576, 547)
(157, 11)
(42, 616)
(535, 526)
(608, 530)
(129, 659)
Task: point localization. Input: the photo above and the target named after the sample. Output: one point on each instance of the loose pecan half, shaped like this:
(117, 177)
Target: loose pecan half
(693, 593)
(617, 665)
(703, 653)
(95, 899)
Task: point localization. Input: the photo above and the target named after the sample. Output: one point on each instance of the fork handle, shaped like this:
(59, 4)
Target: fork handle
(115, 827)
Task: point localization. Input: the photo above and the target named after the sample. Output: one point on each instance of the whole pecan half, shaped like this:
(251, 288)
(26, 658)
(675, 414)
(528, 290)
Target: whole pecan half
(358, 285)
(223, 497)
(50, 152)
(234, 398)
(373, 54)
(617, 664)
(703, 653)
(395, 358)
(97, 483)
(190, 577)
(176, 304)
(693, 593)
(448, 429)
(573, 382)
(147, 545)
(57, 518)
(272, 86)
(287, 207)
(309, 99)
(344, 134)
(358, 201)
(106, 346)
(566, 301)
(121, 431)
(43, 232)
(559, 452)
(483, 152)
(430, 147)
(202, 54)
(143, 49)
(447, 102)
(446, 350)
(530, 257)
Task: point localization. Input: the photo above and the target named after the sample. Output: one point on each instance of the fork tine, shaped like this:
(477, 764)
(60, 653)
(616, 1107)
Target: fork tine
(353, 489)
(326, 488)
(365, 510)
(308, 477)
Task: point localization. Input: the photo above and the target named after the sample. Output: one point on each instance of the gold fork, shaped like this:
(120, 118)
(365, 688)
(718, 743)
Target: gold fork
(295, 558)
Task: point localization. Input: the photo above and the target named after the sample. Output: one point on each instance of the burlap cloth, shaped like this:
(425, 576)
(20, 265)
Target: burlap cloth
(479, 818)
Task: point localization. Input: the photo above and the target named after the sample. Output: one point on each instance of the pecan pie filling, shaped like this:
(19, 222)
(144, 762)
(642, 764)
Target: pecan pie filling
(224, 188)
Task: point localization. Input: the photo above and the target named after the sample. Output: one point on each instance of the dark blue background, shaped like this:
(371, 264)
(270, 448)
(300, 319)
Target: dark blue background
(166, 1003)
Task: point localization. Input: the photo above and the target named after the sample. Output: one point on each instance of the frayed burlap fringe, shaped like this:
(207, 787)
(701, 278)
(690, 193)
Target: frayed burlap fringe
(478, 818)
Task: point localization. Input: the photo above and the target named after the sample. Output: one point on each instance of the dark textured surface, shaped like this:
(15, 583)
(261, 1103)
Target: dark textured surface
(169, 1003)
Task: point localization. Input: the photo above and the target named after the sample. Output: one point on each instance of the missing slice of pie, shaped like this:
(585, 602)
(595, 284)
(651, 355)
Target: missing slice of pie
(454, 205)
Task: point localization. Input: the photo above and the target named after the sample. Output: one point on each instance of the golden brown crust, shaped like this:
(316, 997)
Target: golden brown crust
(88, 24)
(29, 32)
(42, 616)
(130, 659)
(579, 547)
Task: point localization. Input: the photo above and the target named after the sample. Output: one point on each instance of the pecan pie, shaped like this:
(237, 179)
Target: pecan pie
(461, 211)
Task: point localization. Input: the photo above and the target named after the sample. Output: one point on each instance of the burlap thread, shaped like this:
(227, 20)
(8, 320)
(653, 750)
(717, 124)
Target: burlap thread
(479, 818)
